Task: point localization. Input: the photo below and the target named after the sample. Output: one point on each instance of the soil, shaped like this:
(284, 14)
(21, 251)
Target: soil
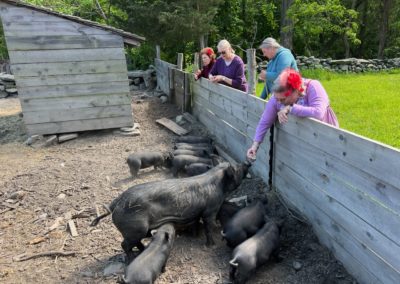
(79, 175)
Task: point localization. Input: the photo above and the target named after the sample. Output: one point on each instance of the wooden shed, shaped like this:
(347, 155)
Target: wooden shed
(71, 73)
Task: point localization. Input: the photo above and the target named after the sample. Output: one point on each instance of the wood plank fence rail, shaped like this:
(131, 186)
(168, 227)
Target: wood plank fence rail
(347, 186)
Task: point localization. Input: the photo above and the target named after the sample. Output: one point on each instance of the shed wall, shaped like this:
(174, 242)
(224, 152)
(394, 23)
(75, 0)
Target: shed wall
(70, 77)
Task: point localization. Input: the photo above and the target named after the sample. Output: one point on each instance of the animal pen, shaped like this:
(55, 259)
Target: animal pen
(71, 73)
(347, 186)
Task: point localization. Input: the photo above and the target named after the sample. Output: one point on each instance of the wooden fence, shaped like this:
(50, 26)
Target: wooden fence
(347, 186)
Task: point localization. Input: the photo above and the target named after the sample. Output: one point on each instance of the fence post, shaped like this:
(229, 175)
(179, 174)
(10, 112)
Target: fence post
(196, 65)
(251, 70)
(158, 52)
(180, 61)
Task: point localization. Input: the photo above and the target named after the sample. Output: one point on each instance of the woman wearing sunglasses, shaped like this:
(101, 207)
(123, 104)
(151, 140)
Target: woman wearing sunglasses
(229, 68)
(294, 95)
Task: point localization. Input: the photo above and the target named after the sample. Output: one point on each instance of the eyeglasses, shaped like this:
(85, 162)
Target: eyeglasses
(222, 52)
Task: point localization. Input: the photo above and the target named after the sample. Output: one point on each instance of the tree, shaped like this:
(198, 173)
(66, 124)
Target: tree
(318, 23)
(286, 25)
(383, 30)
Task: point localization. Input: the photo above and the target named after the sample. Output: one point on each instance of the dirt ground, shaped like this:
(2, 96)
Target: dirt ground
(63, 180)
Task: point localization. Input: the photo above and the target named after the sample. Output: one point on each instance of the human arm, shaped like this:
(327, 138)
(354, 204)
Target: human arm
(264, 92)
(283, 60)
(267, 119)
(317, 102)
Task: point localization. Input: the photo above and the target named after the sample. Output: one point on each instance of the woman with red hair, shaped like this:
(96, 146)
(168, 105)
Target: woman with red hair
(208, 58)
(293, 95)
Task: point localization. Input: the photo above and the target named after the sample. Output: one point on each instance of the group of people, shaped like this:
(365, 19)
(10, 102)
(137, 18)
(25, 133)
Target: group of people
(290, 93)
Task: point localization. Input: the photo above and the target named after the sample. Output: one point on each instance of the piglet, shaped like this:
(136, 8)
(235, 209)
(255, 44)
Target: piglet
(179, 162)
(193, 139)
(148, 265)
(254, 252)
(146, 159)
(245, 223)
(196, 169)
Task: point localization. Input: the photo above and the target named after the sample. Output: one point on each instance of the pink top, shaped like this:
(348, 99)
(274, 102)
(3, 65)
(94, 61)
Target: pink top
(315, 104)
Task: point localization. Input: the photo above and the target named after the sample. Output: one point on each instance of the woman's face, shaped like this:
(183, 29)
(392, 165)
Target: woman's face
(268, 52)
(289, 100)
(225, 52)
(205, 59)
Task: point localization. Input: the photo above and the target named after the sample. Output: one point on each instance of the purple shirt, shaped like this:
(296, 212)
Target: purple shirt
(315, 104)
(234, 71)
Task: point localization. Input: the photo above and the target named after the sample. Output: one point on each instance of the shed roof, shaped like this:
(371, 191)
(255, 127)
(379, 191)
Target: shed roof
(129, 38)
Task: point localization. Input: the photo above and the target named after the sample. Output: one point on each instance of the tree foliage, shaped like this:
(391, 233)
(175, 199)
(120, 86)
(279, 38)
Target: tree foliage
(323, 28)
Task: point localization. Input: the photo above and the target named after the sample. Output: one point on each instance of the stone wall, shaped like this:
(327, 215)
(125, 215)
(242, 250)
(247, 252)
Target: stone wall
(347, 65)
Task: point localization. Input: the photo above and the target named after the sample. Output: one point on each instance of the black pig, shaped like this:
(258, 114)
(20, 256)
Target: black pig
(193, 139)
(146, 267)
(179, 162)
(254, 252)
(245, 223)
(147, 206)
(147, 159)
(197, 169)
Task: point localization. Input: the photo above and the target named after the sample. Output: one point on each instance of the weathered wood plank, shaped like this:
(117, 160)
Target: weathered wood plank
(61, 68)
(227, 92)
(66, 55)
(353, 265)
(33, 117)
(29, 104)
(100, 78)
(376, 188)
(63, 42)
(59, 91)
(222, 114)
(70, 79)
(162, 70)
(172, 126)
(343, 203)
(361, 152)
(288, 184)
(255, 105)
(12, 13)
(79, 125)
(49, 28)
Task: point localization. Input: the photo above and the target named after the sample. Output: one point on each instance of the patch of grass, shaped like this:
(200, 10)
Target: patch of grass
(366, 104)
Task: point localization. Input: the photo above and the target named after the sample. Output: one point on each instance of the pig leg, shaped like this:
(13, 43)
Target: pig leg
(208, 226)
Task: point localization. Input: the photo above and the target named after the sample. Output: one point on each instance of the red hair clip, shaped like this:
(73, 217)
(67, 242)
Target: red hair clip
(294, 80)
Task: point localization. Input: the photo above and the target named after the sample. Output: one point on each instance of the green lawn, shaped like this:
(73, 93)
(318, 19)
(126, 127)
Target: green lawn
(366, 104)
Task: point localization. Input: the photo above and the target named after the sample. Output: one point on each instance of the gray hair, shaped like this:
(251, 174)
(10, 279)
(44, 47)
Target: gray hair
(224, 44)
(270, 42)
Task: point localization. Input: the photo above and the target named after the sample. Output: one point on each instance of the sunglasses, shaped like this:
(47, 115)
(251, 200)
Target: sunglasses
(222, 52)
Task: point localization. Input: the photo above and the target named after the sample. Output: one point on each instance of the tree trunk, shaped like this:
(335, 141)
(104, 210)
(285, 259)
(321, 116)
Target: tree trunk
(286, 35)
(202, 42)
(363, 29)
(346, 40)
(384, 26)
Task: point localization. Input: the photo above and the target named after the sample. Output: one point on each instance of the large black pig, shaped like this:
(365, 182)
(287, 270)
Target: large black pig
(193, 139)
(245, 223)
(148, 265)
(147, 206)
(254, 252)
(147, 159)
